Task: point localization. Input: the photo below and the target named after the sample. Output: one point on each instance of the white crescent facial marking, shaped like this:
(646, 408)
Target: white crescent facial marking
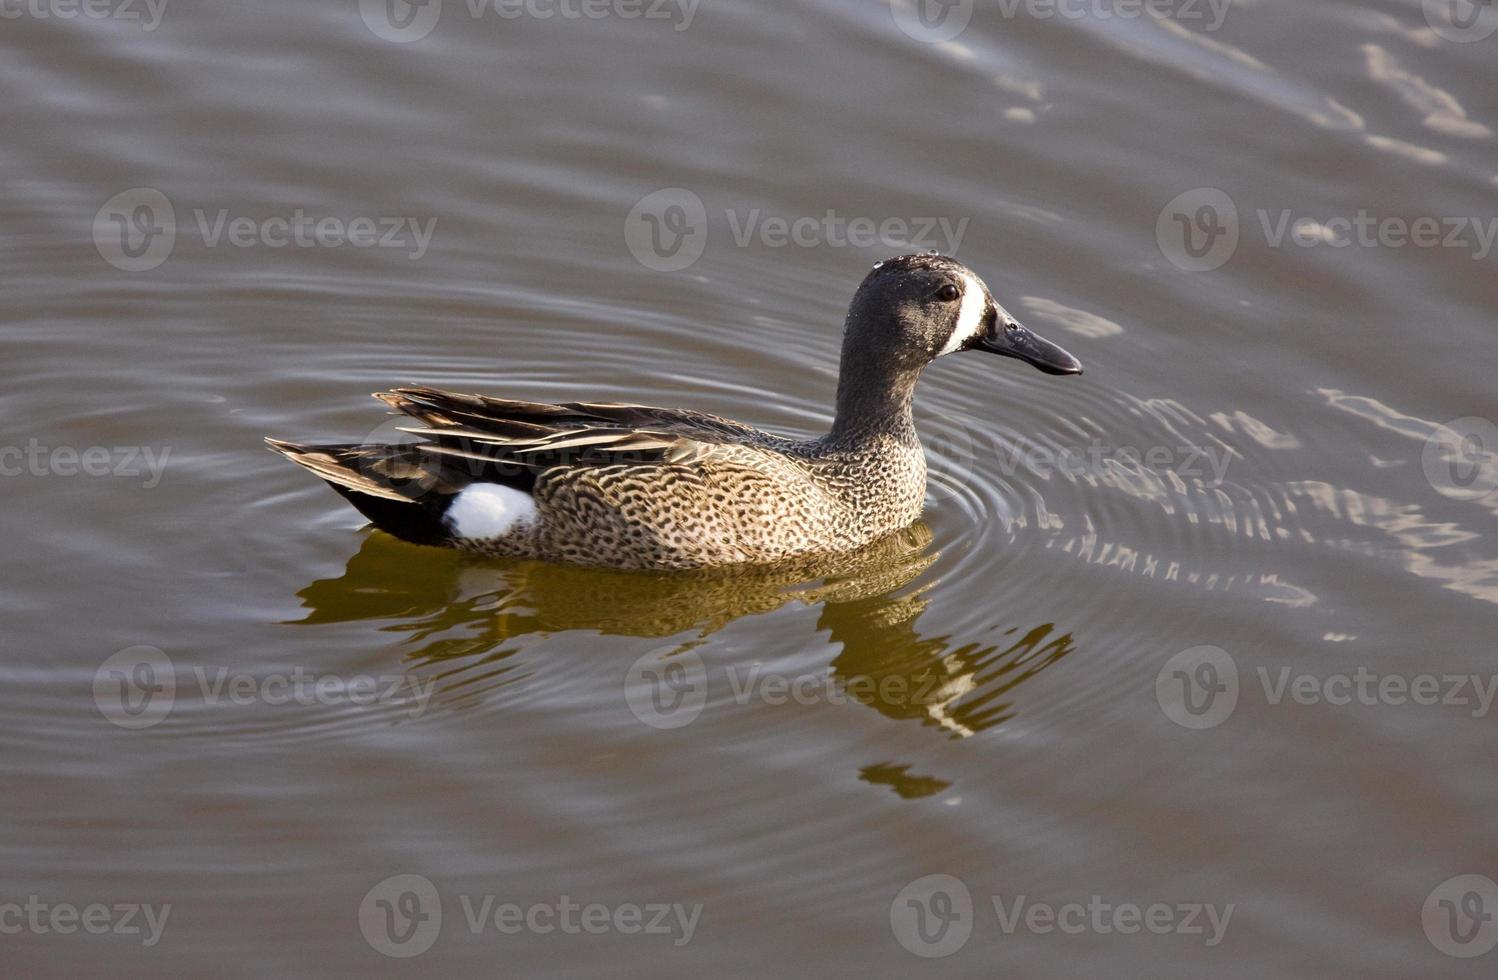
(969, 317)
(489, 510)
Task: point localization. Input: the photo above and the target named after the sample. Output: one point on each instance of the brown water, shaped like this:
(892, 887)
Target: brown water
(1011, 694)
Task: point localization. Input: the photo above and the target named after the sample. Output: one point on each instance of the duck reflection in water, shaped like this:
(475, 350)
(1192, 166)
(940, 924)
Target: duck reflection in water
(462, 612)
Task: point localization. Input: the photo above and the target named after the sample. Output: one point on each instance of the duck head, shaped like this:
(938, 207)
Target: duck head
(913, 309)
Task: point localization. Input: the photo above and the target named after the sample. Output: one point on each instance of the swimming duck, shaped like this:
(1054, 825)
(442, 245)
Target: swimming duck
(629, 486)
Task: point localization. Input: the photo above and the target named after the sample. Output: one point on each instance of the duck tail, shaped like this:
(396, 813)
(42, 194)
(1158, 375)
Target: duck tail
(399, 488)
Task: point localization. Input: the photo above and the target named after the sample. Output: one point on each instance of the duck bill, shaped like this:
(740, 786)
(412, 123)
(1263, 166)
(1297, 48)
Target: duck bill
(1016, 341)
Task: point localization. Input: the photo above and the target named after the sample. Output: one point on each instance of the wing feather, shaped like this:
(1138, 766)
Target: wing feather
(540, 436)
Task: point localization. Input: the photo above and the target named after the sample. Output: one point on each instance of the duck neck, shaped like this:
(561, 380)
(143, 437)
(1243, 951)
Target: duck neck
(874, 396)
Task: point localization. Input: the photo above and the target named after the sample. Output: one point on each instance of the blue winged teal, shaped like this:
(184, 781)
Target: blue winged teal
(629, 486)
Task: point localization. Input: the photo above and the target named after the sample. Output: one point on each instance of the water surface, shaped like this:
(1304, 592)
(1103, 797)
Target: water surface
(1246, 465)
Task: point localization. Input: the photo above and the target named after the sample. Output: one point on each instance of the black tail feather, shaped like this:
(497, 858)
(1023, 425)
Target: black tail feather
(404, 489)
(418, 521)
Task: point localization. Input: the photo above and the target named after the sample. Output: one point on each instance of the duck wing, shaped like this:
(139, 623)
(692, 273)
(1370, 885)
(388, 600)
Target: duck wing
(522, 420)
(475, 438)
(539, 436)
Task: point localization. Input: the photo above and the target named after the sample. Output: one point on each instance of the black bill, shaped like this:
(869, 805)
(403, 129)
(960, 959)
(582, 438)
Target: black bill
(1015, 341)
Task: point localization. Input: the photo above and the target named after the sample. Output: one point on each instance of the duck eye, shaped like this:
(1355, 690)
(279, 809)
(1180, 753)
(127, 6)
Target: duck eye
(948, 293)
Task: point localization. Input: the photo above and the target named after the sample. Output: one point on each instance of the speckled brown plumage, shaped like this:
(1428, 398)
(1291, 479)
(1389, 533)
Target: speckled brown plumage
(630, 486)
(758, 500)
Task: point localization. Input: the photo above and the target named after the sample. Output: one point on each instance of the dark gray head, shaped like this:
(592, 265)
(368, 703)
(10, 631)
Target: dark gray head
(913, 309)
(908, 312)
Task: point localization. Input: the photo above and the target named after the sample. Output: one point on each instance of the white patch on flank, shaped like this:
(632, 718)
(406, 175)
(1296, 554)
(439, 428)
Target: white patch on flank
(970, 317)
(489, 510)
